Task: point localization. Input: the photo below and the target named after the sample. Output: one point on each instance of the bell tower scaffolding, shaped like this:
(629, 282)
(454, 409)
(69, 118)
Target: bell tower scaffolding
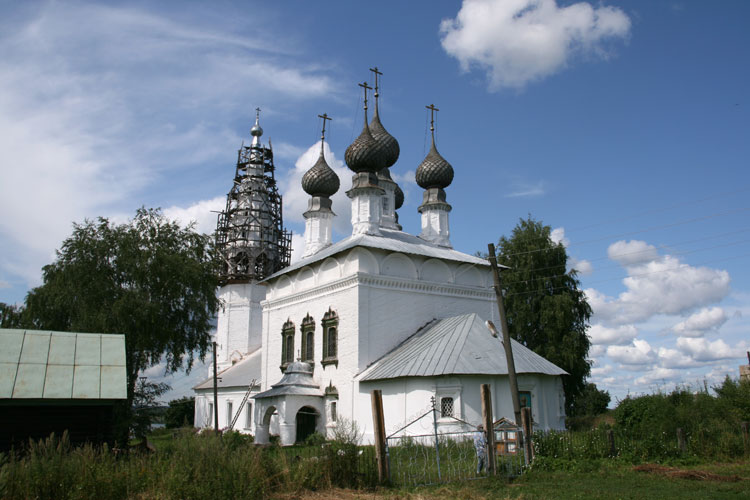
(253, 244)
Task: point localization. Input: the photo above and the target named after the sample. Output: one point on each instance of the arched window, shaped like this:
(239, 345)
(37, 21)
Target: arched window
(287, 344)
(330, 338)
(308, 339)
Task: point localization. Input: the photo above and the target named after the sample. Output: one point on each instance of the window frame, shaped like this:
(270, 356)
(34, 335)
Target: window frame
(287, 343)
(307, 329)
(330, 323)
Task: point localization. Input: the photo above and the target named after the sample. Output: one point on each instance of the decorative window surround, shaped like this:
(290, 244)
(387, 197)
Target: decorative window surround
(287, 344)
(452, 392)
(308, 339)
(330, 325)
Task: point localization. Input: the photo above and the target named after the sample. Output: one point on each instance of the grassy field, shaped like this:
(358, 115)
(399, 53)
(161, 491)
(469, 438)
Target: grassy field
(611, 482)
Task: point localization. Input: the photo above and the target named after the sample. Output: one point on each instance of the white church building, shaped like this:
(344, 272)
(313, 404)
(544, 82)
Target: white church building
(301, 346)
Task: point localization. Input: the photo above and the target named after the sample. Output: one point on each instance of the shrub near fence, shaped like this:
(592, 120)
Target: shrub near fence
(706, 443)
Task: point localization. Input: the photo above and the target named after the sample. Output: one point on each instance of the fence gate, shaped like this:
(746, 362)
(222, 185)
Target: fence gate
(434, 448)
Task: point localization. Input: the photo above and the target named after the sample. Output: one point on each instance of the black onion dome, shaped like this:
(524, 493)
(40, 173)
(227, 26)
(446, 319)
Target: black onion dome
(434, 171)
(399, 195)
(364, 154)
(320, 180)
(387, 144)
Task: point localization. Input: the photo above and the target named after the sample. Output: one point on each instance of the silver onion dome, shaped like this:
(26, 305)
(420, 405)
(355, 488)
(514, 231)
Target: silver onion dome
(434, 171)
(364, 154)
(320, 180)
(256, 131)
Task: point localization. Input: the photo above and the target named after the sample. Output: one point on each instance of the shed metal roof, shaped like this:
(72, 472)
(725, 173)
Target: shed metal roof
(61, 365)
(460, 345)
(239, 374)
(391, 240)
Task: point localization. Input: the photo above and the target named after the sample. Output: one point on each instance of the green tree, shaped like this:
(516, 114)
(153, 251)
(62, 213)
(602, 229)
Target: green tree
(149, 279)
(546, 310)
(180, 412)
(591, 401)
(11, 316)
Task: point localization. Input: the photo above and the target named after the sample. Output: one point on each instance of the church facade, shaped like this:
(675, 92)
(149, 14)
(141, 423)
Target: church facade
(301, 346)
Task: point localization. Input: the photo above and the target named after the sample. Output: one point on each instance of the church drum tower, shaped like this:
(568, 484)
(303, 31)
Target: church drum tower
(253, 244)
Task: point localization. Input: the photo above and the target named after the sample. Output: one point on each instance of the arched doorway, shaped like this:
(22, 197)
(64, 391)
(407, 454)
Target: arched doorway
(307, 421)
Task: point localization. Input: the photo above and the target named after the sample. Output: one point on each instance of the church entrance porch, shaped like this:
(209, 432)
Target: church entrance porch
(307, 423)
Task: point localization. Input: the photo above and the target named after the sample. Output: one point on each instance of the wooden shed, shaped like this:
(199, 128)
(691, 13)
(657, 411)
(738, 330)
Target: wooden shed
(58, 381)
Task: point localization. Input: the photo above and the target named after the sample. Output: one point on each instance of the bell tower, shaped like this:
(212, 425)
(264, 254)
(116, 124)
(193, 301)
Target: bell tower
(253, 244)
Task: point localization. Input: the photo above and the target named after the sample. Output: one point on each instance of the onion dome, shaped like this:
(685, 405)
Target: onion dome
(434, 171)
(256, 131)
(320, 180)
(364, 154)
(387, 144)
(399, 195)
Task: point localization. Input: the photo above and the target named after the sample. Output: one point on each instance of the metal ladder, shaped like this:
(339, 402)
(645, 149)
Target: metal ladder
(242, 405)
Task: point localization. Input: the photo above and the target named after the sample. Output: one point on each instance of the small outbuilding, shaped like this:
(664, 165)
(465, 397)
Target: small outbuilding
(58, 381)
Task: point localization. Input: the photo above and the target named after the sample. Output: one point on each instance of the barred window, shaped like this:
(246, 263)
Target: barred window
(249, 416)
(330, 325)
(229, 413)
(446, 407)
(308, 338)
(287, 344)
(334, 415)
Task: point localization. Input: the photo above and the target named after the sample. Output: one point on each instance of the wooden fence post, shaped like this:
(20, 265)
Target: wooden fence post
(611, 440)
(681, 442)
(378, 421)
(746, 436)
(488, 427)
(528, 448)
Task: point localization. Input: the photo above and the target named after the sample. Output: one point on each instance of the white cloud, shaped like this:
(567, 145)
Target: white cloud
(295, 198)
(672, 358)
(99, 103)
(659, 374)
(657, 285)
(639, 353)
(699, 323)
(298, 247)
(521, 41)
(583, 266)
(628, 253)
(557, 236)
(701, 349)
(526, 190)
(202, 213)
(619, 335)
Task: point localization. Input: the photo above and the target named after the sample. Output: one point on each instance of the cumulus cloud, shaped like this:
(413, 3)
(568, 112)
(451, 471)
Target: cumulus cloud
(619, 335)
(295, 198)
(672, 358)
(201, 213)
(520, 41)
(701, 349)
(657, 285)
(699, 323)
(557, 236)
(659, 374)
(638, 353)
(582, 266)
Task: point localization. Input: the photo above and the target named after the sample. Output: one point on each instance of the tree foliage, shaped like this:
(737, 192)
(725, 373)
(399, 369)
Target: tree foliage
(181, 412)
(591, 401)
(11, 316)
(546, 310)
(148, 278)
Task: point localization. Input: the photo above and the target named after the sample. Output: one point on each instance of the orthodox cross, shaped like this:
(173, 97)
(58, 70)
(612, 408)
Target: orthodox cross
(325, 118)
(366, 87)
(257, 114)
(377, 73)
(432, 109)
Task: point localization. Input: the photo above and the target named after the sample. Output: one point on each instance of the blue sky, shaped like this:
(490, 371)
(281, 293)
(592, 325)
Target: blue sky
(623, 125)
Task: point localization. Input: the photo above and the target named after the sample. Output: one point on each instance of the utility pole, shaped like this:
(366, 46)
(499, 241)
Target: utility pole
(216, 396)
(506, 336)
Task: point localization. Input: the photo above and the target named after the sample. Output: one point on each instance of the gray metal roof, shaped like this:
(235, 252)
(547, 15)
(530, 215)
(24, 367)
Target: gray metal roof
(460, 345)
(61, 365)
(297, 381)
(391, 240)
(239, 374)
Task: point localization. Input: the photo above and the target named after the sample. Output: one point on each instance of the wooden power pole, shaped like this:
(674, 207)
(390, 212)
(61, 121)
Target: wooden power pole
(378, 420)
(216, 396)
(506, 336)
(488, 422)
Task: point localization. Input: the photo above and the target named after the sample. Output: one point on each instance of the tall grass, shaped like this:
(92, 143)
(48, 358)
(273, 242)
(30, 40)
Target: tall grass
(189, 467)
